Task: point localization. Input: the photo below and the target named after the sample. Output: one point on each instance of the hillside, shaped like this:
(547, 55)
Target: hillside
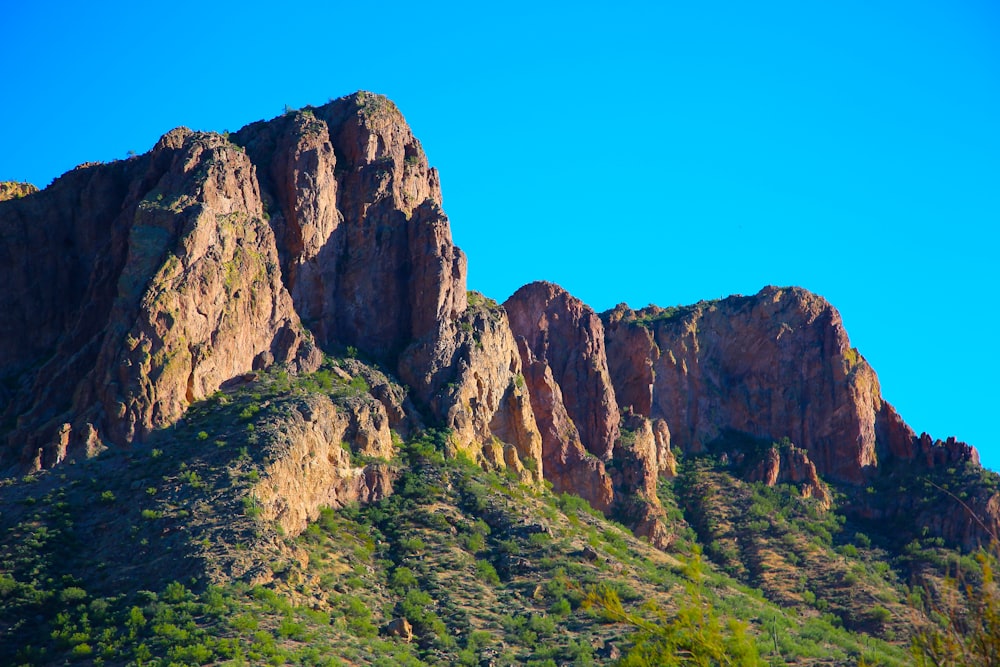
(260, 418)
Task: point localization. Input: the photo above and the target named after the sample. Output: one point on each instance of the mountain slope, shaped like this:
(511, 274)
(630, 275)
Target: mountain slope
(233, 336)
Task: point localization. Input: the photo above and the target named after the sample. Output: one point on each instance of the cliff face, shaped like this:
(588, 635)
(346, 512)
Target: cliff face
(779, 366)
(158, 282)
(774, 365)
(562, 347)
(365, 248)
(167, 274)
(133, 289)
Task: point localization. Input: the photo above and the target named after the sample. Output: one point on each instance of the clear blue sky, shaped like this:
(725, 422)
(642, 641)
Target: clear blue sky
(643, 152)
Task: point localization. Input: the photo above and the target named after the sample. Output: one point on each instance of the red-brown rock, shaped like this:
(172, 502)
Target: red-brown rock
(468, 374)
(774, 365)
(366, 249)
(790, 465)
(160, 283)
(564, 333)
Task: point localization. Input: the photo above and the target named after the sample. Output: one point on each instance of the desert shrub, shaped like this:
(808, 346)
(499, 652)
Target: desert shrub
(967, 632)
(486, 572)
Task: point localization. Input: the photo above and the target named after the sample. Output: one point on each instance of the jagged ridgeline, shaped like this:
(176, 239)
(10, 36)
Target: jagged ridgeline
(249, 412)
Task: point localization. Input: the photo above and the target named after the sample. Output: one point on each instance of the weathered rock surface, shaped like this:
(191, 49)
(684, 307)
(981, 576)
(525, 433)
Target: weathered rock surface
(790, 465)
(365, 247)
(134, 288)
(774, 365)
(15, 190)
(568, 336)
(161, 284)
(561, 341)
(468, 374)
(566, 462)
(311, 467)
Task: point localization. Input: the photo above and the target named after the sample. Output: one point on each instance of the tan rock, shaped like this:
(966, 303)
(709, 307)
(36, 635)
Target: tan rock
(468, 374)
(14, 190)
(311, 466)
(400, 627)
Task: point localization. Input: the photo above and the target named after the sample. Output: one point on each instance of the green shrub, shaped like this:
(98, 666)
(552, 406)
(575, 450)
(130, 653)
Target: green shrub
(486, 572)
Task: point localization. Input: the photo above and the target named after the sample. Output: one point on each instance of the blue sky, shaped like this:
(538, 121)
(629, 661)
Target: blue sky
(631, 151)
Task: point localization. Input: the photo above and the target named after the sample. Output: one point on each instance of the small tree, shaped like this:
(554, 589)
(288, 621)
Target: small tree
(968, 630)
(692, 636)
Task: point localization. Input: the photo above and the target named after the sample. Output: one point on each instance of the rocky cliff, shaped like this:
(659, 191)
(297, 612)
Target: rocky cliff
(134, 289)
(774, 365)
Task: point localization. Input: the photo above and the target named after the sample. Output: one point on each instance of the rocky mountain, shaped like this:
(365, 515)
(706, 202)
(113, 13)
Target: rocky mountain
(305, 265)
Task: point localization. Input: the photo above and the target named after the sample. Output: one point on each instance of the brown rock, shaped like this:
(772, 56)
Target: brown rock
(562, 332)
(665, 460)
(790, 465)
(774, 365)
(561, 341)
(468, 375)
(636, 471)
(400, 627)
(162, 278)
(366, 247)
(169, 287)
(631, 355)
(310, 467)
(566, 462)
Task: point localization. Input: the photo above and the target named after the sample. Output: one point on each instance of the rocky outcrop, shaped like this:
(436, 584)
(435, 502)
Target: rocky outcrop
(214, 255)
(468, 374)
(367, 257)
(15, 190)
(561, 344)
(568, 336)
(641, 457)
(310, 461)
(163, 283)
(163, 273)
(774, 365)
(366, 249)
(568, 466)
(132, 289)
(561, 341)
(787, 464)
(631, 356)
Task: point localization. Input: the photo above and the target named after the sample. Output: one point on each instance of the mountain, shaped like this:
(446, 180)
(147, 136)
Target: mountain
(243, 378)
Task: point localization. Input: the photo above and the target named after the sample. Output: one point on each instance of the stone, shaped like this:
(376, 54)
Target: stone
(400, 627)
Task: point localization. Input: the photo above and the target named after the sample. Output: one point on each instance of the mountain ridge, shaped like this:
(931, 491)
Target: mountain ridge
(313, 248)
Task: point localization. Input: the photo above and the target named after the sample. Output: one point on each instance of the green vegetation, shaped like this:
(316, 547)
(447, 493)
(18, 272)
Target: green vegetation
(965, 626)
(163, 556)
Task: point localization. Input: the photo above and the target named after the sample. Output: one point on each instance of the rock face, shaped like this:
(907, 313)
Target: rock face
(790, 465)
(468, 373)
(311, 462)
(774, 365)
(161, 283)
(132, 289)
(14, 190)
(568, 336)
(167, 274)
(365, 248)
(561, 341)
